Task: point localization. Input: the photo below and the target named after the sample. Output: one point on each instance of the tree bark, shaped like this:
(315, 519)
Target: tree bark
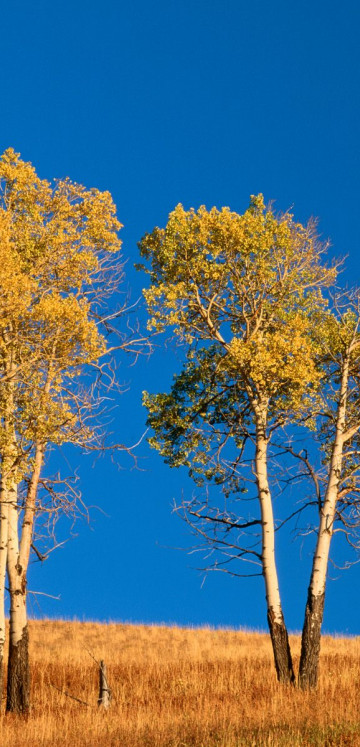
(3, 559)
(311, 640)
(314, 611)
(8, 483)
(278, 632)
(18, 687)
(18, 684)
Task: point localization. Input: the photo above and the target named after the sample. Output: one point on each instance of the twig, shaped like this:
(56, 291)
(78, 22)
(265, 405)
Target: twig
(43, 594)
(63, 692)
(92, 656)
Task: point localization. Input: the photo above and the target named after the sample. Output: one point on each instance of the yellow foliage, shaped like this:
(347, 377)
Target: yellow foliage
(250, 283)
(58, 247)
(283, 359)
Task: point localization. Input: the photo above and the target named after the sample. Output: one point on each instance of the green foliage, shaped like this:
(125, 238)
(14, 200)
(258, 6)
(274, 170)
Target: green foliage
(189, 421)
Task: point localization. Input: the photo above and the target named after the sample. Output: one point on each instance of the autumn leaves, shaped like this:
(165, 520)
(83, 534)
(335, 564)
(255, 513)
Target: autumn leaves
(271, 357)
(59, 264)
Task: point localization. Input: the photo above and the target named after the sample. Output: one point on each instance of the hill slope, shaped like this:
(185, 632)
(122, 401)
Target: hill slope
(180, 687)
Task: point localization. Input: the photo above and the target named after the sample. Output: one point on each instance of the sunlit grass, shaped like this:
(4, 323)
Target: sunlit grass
(180, 687)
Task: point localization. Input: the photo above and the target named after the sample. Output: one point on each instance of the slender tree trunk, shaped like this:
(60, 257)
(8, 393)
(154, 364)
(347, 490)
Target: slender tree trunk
(8, 485)
(275, 617)
(314, 611)
(18, 686)
(3, 559)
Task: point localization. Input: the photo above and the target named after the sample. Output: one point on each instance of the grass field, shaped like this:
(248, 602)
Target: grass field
(180, 687)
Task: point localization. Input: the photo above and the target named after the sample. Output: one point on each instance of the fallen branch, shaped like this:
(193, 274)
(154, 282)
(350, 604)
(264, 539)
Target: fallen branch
(63, 692)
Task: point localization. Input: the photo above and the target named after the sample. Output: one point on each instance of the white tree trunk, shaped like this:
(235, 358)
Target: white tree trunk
(14, 571)
(314, 612)
(18, 687)
(18, 684)
(4, 510)
(278, 632)
(7, 493)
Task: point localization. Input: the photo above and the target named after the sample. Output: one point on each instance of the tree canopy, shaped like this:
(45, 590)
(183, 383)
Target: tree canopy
(242, 293)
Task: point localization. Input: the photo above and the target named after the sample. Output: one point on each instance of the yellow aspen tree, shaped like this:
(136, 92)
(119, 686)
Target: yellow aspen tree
(238, 290)
(60, 252)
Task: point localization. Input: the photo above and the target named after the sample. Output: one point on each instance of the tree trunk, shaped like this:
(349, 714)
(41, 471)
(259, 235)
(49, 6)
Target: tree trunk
(18, 688)
(18, 684)
(281, 648)
(275, 617)
(3, 558)
(8, 484)
(314, 611)
(310, 641)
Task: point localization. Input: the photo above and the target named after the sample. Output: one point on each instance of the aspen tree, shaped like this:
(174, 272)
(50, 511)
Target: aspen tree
(60, 247)
(338, 426)
(15, 295)
(243, 287)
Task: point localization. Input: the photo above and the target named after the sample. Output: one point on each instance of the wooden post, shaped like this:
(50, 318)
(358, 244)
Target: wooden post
(104, 689)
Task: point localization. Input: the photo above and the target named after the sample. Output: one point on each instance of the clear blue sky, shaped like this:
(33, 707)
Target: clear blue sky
(201, 102)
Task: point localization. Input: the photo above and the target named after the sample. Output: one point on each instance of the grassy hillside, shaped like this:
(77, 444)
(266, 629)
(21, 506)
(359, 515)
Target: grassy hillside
(180, 687)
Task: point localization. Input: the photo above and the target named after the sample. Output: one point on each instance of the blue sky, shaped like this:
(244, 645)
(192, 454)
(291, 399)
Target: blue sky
(200, 103)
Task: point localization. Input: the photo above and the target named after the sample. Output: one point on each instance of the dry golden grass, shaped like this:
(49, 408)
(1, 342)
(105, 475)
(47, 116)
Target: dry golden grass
(180, 687)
